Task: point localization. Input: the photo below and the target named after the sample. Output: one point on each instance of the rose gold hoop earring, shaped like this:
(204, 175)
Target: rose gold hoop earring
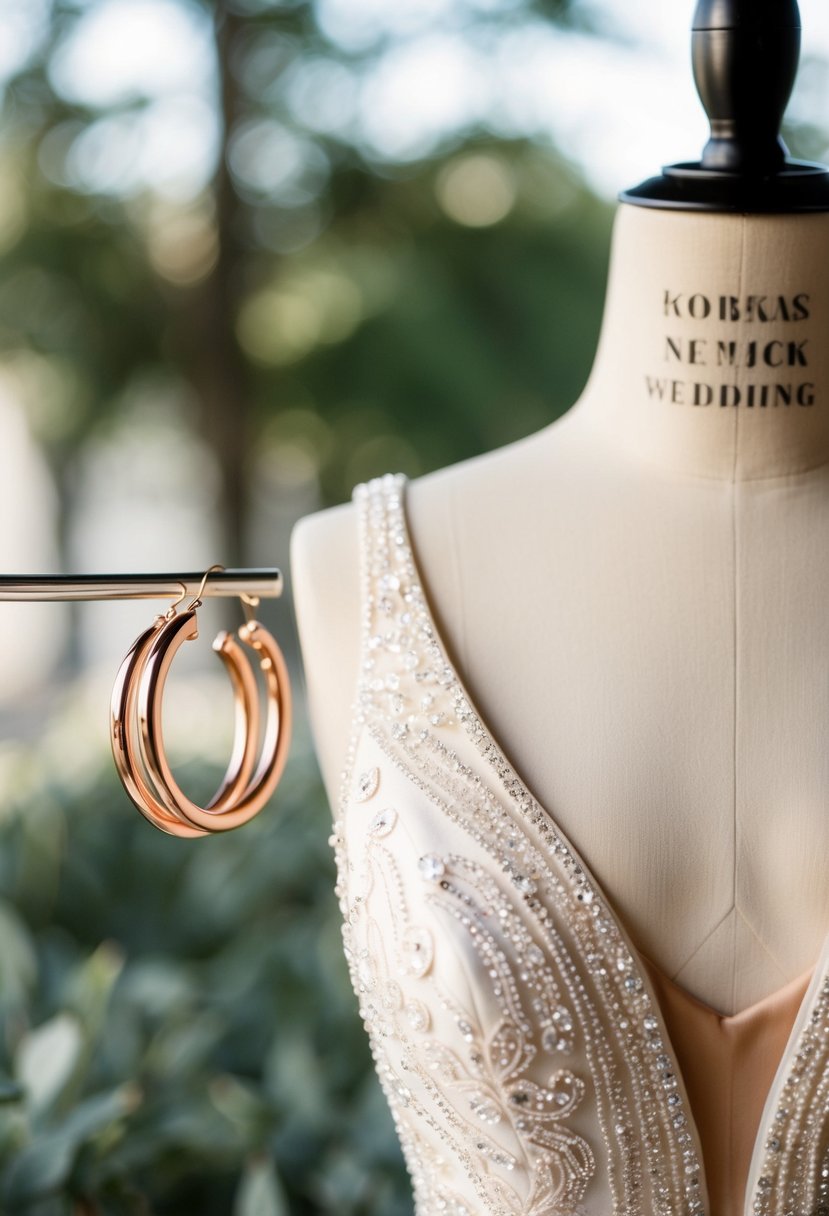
(233, 813)
(125, 729)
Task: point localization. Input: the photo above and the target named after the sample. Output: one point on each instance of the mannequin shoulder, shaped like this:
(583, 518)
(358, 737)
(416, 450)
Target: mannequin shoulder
(325, 590)
(324, 546)
(323, 554)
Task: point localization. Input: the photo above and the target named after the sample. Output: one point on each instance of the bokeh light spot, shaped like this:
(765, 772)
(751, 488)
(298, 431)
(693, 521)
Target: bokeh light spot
(278, 327)
(281, 325)
(182, 244)
(476, 190)
(123, 50)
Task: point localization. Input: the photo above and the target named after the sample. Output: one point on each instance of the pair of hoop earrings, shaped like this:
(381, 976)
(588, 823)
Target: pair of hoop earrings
(136, 736)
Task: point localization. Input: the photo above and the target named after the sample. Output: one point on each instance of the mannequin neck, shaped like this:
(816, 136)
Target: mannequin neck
(713, 358)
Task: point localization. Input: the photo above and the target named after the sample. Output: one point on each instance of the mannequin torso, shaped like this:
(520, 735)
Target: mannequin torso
(636, 600)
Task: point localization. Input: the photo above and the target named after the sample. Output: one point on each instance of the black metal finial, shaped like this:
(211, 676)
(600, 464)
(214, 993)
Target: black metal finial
(745, 55)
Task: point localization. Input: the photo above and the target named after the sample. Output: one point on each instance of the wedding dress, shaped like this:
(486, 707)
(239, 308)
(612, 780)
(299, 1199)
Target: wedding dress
(535, 1062)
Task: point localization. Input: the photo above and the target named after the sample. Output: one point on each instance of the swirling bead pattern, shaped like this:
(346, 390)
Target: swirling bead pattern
(515, 1032)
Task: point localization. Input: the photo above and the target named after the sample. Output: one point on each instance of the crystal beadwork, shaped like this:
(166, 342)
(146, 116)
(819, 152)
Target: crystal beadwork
(481, 955)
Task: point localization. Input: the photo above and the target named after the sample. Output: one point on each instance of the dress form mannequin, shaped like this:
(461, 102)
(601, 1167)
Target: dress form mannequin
(668, 688)
(637, 600)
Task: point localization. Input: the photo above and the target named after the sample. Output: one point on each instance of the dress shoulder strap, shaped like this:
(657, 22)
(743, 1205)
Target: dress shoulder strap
(379, 579)
(379, 646)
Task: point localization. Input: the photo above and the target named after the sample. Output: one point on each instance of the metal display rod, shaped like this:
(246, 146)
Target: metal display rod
(265, 583)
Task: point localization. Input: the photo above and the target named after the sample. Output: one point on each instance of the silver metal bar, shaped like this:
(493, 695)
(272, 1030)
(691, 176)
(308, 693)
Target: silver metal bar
(265, 583)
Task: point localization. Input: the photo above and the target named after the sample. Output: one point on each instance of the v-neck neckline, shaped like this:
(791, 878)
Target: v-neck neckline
(748, 1013)
(516, 782)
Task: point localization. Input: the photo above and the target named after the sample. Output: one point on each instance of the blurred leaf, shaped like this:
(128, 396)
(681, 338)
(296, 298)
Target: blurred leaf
(242, 1104)
(18, 961)
(260, 1193)
(46, 1058)
(10, 1090)
(88, 990)
(46, 1162)
(183, 1048)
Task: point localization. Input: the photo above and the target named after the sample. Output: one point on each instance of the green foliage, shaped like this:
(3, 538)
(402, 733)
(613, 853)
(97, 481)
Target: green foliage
(178, 1030)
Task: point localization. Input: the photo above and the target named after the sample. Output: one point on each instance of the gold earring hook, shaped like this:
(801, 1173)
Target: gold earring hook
(249, 604)
(196, 603)
(171, 611)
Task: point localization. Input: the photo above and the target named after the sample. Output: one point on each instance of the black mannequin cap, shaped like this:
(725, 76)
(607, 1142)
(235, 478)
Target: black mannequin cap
(738, 14)
(745, 55)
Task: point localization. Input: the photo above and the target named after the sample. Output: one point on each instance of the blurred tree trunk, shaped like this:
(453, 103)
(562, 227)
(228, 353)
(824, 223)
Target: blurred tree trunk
(214, 362)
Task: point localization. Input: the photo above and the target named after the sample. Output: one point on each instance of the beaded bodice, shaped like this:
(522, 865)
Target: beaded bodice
(515, 1030)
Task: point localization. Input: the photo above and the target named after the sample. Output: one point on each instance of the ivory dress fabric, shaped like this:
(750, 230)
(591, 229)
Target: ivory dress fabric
(534, 1061)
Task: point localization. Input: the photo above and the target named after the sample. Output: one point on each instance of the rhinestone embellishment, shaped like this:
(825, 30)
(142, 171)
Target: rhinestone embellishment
(383, 822)
(418, 951)
(367, 784)
(431, 867)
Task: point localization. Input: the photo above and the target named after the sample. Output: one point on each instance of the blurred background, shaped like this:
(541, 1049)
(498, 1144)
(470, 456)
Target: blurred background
(251, 253)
